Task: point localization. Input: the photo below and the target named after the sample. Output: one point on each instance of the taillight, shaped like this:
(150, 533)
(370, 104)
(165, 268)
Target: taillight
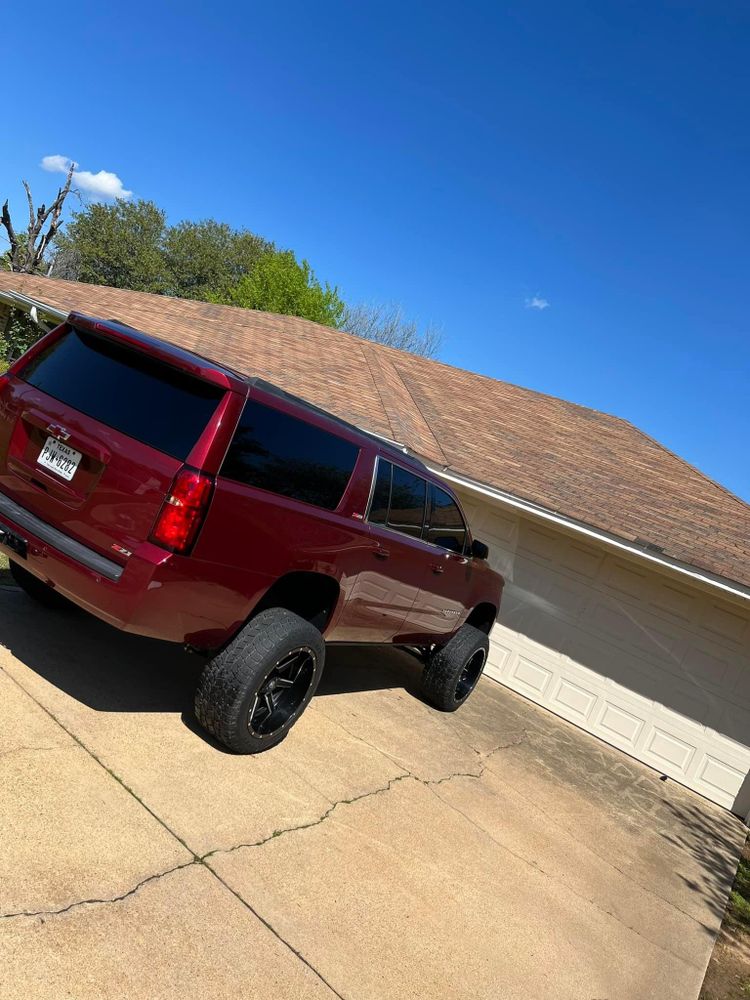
(182, 513)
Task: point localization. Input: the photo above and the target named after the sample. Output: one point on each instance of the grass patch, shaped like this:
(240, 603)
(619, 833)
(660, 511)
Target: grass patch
(739, 900)
(5, 576)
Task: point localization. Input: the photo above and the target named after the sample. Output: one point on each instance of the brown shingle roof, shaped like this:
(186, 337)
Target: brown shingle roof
(586, 465)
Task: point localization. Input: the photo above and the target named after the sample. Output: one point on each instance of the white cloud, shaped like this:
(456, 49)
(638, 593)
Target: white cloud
(102, 185)
(537, 302)
(56, 164)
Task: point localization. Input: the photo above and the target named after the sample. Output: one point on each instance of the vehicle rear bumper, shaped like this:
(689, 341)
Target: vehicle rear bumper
(150, 595)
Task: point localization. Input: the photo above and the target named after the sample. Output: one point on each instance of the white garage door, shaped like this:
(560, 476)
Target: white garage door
(653, 666)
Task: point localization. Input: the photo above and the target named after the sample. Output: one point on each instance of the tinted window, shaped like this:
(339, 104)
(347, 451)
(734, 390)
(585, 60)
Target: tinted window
(145, 399)
(288, 456)
(398, 500)
(381, 494)
(446, 526)
(408, 493)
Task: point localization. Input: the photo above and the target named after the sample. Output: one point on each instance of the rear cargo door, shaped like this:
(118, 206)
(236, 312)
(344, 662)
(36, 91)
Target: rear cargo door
(92, 433)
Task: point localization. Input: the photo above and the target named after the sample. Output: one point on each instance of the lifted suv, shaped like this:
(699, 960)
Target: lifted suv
(174, 498)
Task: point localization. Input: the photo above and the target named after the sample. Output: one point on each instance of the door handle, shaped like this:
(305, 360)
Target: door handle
(381, 553)
(437, 568)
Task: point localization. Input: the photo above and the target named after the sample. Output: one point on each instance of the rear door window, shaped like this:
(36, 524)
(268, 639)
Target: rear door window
(398, 499)
(283, 454)
(446, 526)
(158, 405)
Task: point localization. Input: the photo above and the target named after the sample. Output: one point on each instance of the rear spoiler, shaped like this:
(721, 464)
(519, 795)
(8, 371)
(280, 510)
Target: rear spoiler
(162, 350)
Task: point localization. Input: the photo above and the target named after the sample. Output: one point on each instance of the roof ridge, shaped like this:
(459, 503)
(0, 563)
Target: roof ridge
(380, 394)
(384, 363)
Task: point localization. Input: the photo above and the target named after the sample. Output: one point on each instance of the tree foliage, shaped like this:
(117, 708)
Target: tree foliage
(208, 258)
(387, 324)
(129, 244)
(278, 283)
(19, 334)
(121, 245)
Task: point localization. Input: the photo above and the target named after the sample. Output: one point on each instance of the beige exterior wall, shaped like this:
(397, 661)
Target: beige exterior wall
(644, 660)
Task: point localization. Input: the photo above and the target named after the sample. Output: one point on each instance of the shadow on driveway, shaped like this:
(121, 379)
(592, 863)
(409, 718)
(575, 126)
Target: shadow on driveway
(113, 671)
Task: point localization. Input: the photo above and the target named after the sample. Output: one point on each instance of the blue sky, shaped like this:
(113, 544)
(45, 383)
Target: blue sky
(462, 159)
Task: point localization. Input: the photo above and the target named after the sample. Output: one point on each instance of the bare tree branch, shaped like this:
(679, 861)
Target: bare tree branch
(28, 256)
(12, 238)
(387, 324)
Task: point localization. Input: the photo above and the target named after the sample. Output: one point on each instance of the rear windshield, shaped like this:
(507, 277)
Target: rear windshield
(145, 399)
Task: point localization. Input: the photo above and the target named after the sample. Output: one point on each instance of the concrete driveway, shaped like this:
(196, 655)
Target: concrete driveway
(383, 851)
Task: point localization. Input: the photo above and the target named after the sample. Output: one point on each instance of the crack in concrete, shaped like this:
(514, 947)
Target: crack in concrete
(195, 859)
(365, 795)
(96, 901)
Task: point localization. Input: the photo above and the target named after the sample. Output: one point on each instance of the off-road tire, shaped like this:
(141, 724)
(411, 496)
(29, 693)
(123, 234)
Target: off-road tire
(230, 681)
(443, 672)
(37, 589)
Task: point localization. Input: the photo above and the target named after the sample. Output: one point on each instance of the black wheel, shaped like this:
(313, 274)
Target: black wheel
(453, 671)
(38, 589)
(251, 693)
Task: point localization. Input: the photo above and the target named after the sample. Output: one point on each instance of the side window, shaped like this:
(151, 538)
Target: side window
(408, 495)
(398, 500)
(381, 494)
(288, 456)
(446, 527)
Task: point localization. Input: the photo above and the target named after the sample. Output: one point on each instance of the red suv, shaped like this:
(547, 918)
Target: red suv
(175, 498)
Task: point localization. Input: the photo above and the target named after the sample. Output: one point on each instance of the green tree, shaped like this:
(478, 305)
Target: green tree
(278, 283)
(121, 245)
(19, 334)
(208, 258)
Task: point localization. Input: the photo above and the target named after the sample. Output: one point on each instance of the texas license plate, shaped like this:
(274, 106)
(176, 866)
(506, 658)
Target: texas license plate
(59, 458)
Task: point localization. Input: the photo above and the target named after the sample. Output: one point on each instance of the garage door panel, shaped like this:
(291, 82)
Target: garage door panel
(530, 676)
(718, 780)
(646, 663)
(634, 628)
(732, 728)
(619, 726)
(723, 621)
(573, 700)
(663, 749)
(499, 656)
(628, 580)
(582, 560)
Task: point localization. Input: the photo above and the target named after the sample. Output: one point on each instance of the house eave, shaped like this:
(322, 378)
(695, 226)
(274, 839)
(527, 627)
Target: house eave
(571, 524)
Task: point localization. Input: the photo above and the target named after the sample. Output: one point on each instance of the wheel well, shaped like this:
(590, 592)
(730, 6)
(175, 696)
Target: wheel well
(483, 617)
(312, 596)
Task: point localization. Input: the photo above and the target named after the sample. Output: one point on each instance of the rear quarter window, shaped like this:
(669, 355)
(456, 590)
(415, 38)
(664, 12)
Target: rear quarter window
(124, 389)
(283, 454)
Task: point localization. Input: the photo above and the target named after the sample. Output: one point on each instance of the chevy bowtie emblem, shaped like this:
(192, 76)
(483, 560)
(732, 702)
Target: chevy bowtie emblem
(59, 432)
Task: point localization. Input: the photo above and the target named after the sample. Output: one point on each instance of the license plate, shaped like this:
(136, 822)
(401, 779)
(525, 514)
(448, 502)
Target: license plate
(59, 458)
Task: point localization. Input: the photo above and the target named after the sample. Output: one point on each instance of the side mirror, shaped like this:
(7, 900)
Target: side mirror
(479, 550)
